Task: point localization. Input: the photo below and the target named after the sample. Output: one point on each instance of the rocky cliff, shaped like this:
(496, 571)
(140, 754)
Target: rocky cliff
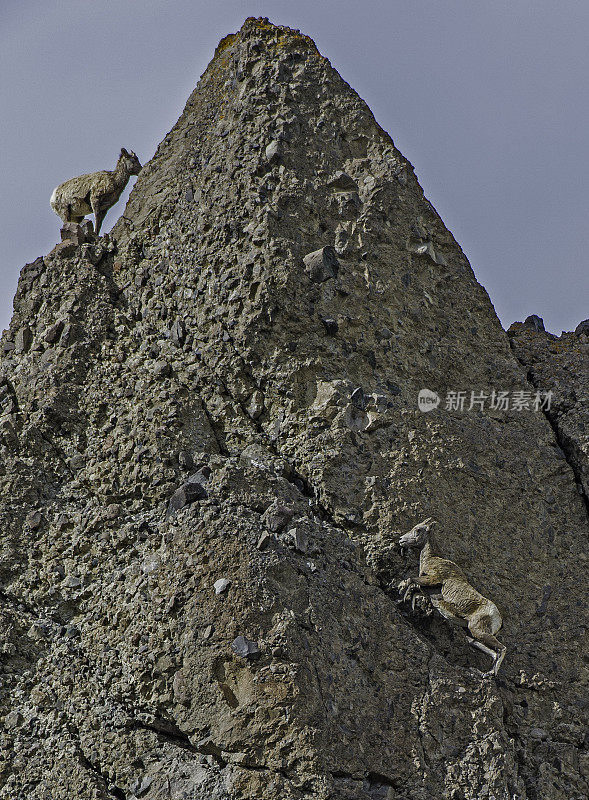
(210, 443)
(560, 365)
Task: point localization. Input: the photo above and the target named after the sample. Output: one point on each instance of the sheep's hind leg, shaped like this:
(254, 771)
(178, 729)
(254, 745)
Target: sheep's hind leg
(480, 646)
(486, 642)
(65, 212)
(66, 215)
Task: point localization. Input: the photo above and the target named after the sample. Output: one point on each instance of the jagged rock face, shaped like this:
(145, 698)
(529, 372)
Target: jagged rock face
(561, 365)
(210, 442)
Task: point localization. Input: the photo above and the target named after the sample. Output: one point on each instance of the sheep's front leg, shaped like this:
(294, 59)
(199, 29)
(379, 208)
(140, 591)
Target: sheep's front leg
(410, 590)
(419, 599)
(99, 214)
(427, 580)
(406, 588)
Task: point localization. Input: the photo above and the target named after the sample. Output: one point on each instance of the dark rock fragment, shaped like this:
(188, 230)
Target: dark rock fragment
(359, 399)
(13, 720)
(277, 516)
(298, 538)
(244, 648)
(201, 476)
(342, 182)
(321, 265)
(209, 748)
(8, 434)
(8, 401)
(188, 493)
(330, 325)
(53, 332)
(546, 594)
(87, 227)
(64, 249)
(161, 369)
(77, 462)
(178, 332)
(264, 541)
(34, 520)
(71, 333)
(185, 459)
(31, 272)
(535, 322)
(73, 232)
(23, 340)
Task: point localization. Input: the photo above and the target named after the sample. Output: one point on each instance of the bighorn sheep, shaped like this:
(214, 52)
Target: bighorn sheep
(94, 193)
(452, 595)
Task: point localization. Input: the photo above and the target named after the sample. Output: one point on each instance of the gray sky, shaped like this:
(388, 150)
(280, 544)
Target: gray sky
(488, 100)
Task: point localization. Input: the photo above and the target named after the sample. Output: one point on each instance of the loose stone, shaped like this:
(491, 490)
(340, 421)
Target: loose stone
(321, 265)
(244, 648)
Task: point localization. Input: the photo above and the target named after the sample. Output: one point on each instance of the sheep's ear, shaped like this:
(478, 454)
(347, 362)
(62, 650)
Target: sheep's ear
(124, 152)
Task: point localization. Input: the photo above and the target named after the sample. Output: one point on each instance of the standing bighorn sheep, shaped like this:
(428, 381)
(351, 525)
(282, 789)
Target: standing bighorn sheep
(452, 595)
(94, 193)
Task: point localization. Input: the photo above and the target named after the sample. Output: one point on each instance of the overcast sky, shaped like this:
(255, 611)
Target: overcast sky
(489, 100)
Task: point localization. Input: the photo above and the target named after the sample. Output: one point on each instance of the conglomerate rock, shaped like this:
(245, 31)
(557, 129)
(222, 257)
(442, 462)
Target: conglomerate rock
(210, 442)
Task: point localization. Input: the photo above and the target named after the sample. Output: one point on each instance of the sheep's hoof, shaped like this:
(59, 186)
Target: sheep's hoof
(406, 588)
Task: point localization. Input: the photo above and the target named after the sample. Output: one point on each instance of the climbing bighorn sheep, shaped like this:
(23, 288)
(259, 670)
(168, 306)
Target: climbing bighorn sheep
(452, 595)
(94, 193)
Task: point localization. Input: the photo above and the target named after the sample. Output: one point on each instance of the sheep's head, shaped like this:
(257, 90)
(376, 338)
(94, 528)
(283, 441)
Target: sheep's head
(132, 163)
(417, 536)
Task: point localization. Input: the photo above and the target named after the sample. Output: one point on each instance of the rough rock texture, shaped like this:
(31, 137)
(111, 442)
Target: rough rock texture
(561, 365)
(209, 445)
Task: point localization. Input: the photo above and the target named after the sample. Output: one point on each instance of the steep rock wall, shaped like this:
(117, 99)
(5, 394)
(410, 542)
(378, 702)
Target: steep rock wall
(210, 443)
(560, 365)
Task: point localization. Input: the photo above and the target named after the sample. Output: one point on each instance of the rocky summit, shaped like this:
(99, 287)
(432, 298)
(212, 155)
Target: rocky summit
(211, 442)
